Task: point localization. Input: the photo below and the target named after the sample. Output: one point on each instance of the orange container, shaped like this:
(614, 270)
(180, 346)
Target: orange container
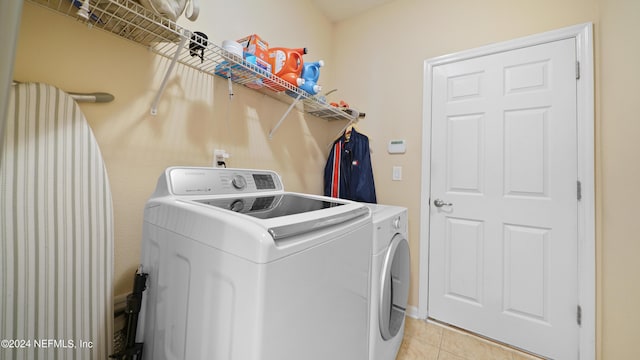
(287, 64)
(285, 60)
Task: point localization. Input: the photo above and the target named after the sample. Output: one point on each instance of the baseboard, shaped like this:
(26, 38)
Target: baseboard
(412, 312)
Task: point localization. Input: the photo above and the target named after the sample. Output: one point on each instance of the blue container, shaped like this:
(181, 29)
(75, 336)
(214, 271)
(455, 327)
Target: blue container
(310, 74)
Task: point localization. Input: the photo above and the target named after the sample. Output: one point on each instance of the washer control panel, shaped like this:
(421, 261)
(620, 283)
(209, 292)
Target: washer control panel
(220, 181)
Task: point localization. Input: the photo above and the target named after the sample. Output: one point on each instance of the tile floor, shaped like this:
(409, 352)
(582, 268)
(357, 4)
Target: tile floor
(428, 340)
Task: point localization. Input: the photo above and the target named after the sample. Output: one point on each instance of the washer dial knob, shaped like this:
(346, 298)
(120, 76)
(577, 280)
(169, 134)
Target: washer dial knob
(237, 205)
(239, 182)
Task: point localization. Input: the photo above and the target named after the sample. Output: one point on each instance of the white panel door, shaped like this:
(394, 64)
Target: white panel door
(503, 234)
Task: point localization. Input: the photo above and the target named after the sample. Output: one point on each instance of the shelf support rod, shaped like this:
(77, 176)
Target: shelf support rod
(183, 40)
(273, 131)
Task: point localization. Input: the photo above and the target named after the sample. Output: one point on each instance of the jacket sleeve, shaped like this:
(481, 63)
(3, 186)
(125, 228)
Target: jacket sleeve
(329, 172)
(365, 189)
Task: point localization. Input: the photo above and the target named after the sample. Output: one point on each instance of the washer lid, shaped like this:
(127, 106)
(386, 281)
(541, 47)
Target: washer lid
(271, 206)
(250, 201)
(285, 204)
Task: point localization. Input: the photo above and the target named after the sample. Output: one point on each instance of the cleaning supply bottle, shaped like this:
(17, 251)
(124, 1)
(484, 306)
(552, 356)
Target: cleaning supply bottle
(287, 63)
(285, 60)
(310, 75)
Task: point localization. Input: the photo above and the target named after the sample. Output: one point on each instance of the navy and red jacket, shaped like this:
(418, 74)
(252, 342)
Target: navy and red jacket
(348, 173)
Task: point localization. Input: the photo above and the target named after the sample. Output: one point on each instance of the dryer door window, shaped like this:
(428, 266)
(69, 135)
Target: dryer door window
(395, 287)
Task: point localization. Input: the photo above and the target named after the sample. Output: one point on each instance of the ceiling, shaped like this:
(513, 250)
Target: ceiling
(337, 10)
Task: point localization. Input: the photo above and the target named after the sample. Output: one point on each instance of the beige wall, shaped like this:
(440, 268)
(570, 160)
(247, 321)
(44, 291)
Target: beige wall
(195, 115)
(388, 46)
(619, 193)
(376, 62)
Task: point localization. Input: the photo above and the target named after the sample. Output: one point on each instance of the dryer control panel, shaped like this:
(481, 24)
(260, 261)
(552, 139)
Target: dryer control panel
(219, 181)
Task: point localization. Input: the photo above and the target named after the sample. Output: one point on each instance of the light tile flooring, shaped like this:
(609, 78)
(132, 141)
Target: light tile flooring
(428, 340)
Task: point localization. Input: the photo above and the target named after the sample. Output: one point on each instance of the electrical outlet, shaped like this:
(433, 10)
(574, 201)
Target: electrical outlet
(220, 158)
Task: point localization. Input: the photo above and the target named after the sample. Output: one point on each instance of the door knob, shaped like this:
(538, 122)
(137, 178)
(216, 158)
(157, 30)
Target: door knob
(440, 203)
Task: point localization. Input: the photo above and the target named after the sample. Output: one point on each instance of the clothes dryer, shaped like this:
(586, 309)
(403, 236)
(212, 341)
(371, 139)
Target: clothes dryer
(389, 281)
(239, 269)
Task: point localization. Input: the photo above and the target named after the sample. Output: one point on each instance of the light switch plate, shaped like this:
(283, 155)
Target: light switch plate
(397, 173)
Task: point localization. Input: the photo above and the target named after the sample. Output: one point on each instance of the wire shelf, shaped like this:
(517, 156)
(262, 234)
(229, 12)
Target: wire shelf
(124, 18)
(134, 22)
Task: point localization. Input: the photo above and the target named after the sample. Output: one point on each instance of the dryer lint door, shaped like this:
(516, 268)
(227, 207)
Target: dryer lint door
(395, 287)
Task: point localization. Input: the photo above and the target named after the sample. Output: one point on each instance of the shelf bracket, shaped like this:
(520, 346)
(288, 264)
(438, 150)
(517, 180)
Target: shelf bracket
(273, 131)
(183, 40)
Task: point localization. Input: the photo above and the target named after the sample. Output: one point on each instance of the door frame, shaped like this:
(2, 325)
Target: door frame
(583, 34)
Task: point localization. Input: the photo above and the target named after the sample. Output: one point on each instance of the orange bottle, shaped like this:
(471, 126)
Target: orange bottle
(285, 60)
(287, 64)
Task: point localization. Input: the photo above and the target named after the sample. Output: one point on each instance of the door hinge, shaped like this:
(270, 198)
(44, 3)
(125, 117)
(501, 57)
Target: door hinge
(579, 315)
(579, 188)
(577, 70)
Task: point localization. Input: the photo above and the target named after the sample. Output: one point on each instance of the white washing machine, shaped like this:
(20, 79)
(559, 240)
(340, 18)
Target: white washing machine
(389, 281)
(239, 269)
